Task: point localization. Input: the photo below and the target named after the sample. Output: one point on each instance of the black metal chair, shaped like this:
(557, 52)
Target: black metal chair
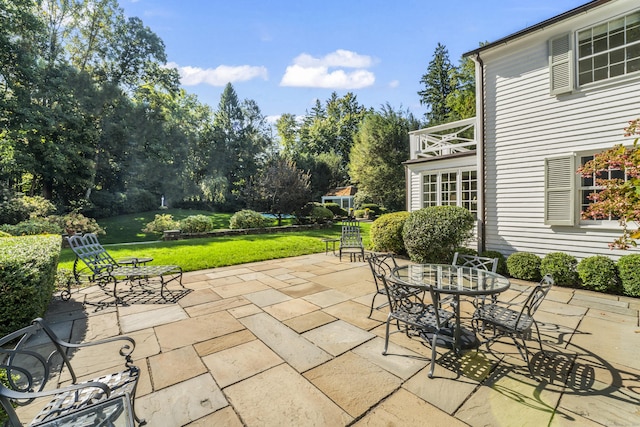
(416, 318)
(351, 241)
(512, 319)
(32, 359)
(382, 264)
(474, 261)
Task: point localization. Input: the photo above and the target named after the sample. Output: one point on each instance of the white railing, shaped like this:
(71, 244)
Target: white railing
(449, 138)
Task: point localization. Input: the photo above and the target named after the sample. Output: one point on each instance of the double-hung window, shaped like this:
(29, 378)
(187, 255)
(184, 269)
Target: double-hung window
(609, 49)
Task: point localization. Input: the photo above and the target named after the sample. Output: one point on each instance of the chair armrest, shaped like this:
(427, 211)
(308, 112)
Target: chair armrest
(29, 395)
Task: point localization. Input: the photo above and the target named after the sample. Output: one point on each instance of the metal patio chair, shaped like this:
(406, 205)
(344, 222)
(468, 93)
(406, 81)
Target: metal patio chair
(475, 261)
(101, 268)
(33, 359)
(382, 264)
(351, 241)
(416, 318)
(512, 319)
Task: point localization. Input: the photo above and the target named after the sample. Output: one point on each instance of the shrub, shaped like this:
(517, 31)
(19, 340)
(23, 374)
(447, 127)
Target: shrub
(386, 233)
(524, 265)
(74, 222)
(248, 219)
(629, 272)
(359, 213)
(432, 234)
(27, 276)
(465, 251)
(196, 224)
(31, 227)
(160, 223)
(335, 209)
(361, 198)
(372, 207)
(502, 261)
(561, 266)
(138, 200)
(13, 210)
(598, 273)
(38, 206)
(320, 215)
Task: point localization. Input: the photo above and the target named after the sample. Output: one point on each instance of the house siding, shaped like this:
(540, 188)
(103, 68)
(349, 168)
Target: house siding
(524, 124)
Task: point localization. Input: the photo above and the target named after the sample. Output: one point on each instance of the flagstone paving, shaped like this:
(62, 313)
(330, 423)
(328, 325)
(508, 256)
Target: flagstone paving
(289, 343)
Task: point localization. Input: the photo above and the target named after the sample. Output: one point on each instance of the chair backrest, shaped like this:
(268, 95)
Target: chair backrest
(88, 249)
(350, 236)
(538, 294)
(485, 263)
(30, 357)
(381, 264)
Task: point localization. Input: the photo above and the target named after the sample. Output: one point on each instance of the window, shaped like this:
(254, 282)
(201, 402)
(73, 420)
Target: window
(588, 185)
(451, 188)
(430, 190)
(609, 50)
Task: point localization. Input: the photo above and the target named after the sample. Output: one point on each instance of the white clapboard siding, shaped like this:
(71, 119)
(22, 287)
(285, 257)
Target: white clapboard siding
(524, 124)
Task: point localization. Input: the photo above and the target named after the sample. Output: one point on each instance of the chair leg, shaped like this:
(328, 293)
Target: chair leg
(386, 337)
(433, 355)
(373, 302)
(539, 338)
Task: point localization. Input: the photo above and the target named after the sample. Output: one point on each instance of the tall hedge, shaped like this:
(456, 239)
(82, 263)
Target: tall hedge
(432, 234)
(27, 278)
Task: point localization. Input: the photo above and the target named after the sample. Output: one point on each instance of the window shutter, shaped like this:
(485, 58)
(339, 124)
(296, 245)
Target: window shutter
(560, 65)
(559, 179)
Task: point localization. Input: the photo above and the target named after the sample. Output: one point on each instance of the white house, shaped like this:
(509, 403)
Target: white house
(548, 98)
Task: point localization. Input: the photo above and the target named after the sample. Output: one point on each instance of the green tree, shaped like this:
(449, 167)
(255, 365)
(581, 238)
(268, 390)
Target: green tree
(241, 138)
(381, 145)
(281, 188)
(437, 87)
(461, 101)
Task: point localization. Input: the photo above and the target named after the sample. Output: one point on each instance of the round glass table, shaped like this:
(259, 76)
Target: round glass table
(456, 281)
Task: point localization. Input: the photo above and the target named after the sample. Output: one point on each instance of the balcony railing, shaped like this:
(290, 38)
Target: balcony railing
(449, 138)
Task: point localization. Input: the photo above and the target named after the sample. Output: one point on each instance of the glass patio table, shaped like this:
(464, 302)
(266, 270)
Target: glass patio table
(452, 280)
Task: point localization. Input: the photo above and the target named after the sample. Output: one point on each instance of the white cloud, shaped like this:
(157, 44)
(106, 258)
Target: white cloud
(394, 84)
(308, 71)
(219, 76)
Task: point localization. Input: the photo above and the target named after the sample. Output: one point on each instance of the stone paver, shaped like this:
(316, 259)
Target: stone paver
(353, 382)
(289, 342)
(280, 396)
(297, 351)
(182, 403)
(243, 361)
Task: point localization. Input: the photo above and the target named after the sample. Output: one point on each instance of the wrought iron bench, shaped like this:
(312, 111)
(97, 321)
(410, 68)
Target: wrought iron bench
(34, 360)
(102, 269)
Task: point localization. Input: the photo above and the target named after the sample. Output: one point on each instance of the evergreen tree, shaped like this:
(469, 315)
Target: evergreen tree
(437, 87)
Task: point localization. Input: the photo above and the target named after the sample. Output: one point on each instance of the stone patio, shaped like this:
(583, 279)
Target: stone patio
(288, 343)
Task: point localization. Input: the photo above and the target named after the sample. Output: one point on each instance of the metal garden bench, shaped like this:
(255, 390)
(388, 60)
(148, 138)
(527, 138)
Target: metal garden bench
(102, 269)
(36, 361)
(351, 241)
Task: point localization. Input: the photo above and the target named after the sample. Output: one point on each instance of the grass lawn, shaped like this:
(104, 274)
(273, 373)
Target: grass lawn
(198, 254)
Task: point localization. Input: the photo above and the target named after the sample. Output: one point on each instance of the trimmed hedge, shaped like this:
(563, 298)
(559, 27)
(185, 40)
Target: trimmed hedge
(598, 273)
(386, 233)
(629, 271)
(27, 278)
(524, 265)
(502, 261)
(432, 234)
(247, 218)
(561, 266)
(335, 209)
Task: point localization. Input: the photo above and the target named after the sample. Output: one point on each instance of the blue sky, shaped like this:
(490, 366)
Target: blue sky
(285, 54)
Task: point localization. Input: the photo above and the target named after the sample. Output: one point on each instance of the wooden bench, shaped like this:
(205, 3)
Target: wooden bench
(34, 358)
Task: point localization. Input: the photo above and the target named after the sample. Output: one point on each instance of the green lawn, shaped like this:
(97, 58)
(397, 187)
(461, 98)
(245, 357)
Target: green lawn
(198, 254)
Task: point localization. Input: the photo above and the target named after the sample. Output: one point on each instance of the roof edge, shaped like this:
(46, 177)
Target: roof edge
(580, 9)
